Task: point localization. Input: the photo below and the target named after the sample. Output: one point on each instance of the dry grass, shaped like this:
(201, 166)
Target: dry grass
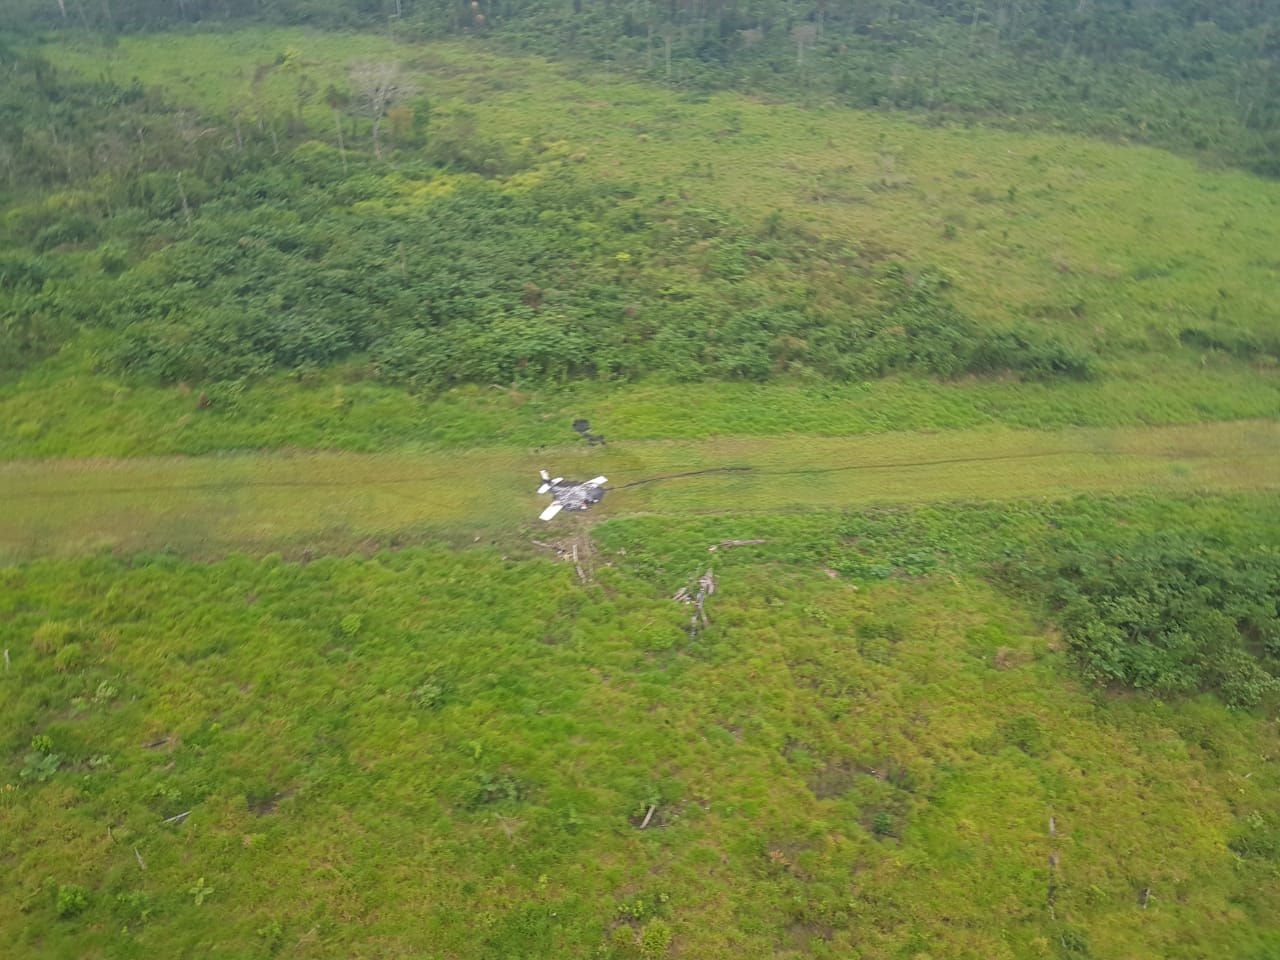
(260, 503)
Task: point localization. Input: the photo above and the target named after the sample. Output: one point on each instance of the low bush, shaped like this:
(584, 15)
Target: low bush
(1172, 615)
(486, 284)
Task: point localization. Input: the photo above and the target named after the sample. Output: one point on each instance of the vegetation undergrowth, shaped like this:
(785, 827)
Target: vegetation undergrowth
(1190, 607)
(443, 749)
(446, 278)
(64, 408)
(533, 247)
(1181, 74)
(1028, 725)
(495, 285)
(1170, 615)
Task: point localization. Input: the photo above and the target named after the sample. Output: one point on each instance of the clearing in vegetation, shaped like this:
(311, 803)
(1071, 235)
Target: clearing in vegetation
(207, 506)
(983, 425)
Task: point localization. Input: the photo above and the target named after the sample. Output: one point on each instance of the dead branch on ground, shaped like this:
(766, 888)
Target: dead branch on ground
(726, 544)
(699, 621)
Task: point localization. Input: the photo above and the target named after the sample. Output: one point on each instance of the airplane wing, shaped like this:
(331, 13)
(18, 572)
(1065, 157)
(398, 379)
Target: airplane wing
(544, 488)
(597, 482)
(550, 512)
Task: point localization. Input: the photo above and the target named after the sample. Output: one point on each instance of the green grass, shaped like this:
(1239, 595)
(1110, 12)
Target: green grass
(446, 752)
(206, 506)
(1148, 242)
(1119, 250)
(64, 409)
(421, 735)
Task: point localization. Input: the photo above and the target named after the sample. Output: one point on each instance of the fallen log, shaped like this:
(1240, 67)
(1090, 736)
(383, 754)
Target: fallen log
(728, 544)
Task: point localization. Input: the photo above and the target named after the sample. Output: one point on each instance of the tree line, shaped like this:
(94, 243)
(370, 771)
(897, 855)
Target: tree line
(1186, 74)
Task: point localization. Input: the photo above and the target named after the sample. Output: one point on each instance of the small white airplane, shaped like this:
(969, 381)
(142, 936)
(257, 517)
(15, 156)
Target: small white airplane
(570, 494)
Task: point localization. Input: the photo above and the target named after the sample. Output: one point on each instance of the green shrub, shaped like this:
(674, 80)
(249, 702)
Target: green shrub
(1256, 838)
(623, 939)
(655, 940)
(200, 891)
(489, 787)
(72, 901)
(430, 694)
(1026, 733)
(75, 229)
(22, 272)
(68, 658)
(39, 767)
(1073, 943)
(52, 636)
(882, 824)
(271, 934)
(132, 907)
(1241, 343)
(496, 285)
(1171, 614)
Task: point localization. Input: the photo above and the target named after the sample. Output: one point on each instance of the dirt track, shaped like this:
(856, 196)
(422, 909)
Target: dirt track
(261, 502)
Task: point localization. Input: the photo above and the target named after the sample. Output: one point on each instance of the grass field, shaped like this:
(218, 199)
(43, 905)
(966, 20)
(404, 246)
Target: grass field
(450, 753)
(206, 506)
(66, 410)
(1119, 250)
(286, 673)
(1147, 241)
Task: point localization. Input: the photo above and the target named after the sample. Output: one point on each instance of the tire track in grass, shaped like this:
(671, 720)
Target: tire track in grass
(261, 502)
